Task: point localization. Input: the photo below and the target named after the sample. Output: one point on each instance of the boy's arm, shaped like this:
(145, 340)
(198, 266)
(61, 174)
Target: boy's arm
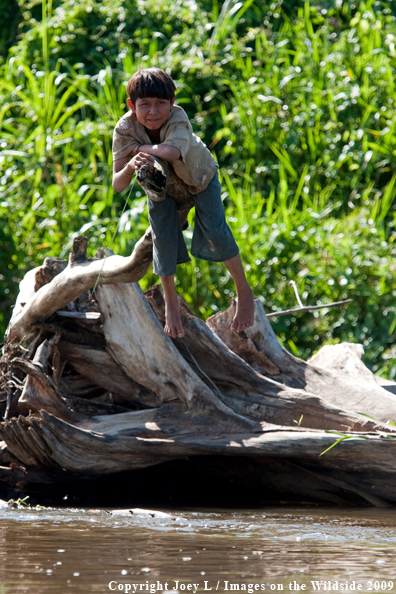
(122, 174)
(123, 169)
(162, 151)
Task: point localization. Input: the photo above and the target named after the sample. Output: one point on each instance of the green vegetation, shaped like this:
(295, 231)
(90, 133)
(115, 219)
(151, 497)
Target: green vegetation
(19, 503)
(295, 99)
(23, 504)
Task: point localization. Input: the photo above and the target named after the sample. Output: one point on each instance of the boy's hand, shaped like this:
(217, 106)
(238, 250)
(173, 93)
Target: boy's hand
(139, 160)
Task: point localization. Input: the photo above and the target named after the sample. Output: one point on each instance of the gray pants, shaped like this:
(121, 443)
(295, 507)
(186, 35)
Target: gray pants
(212, 238)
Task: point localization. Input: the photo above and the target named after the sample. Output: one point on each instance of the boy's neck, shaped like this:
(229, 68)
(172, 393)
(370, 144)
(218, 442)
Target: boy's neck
(154, 135)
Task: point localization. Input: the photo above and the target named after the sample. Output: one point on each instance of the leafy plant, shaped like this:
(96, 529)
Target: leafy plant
(343, 437)
(19, 503)
(298, 109)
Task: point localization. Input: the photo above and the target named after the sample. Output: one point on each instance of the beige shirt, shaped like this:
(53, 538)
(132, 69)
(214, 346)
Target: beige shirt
(196, 166)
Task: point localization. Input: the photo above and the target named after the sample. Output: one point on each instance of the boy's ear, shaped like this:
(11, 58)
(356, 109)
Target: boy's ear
(173, 101)
(131, 105)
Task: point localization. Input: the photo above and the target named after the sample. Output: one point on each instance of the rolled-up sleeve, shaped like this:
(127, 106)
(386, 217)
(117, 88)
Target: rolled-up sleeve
(179, 136)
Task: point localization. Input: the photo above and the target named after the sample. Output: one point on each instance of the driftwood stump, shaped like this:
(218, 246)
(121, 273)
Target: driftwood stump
(91, 386)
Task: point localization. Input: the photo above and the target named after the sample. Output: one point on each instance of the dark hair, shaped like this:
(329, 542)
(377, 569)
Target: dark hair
(151, 82)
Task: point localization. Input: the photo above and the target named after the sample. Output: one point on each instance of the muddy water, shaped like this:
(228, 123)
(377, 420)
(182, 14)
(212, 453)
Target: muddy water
(81, 551)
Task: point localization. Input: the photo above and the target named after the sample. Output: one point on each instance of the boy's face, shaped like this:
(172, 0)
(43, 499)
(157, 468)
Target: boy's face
(152, 112)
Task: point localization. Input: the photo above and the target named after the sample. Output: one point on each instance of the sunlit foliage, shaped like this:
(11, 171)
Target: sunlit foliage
(295, 99)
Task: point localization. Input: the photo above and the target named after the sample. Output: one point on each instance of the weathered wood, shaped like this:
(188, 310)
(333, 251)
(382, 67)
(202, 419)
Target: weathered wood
(338, 375)
(102, 446)
(136, 340)
(79, 386)
(91, 408)
(40, 392)
(79, 276)
(248, 392)
(89, 315)
(102, 370)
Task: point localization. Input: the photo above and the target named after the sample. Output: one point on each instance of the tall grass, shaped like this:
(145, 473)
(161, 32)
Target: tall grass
(297, 108)
(308, 103)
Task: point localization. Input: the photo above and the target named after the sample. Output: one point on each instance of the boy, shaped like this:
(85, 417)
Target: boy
(158, 128)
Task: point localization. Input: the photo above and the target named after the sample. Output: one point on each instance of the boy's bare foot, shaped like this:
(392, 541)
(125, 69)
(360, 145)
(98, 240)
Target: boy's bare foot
(244, 317)
(173, 324)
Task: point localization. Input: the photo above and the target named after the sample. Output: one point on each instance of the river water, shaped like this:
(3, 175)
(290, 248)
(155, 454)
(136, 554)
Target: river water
(269, 549)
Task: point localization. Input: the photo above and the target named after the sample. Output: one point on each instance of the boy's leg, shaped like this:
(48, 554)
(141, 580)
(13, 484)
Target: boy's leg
(244, 317)
(173, 324)
(169, 249)
(213, 241)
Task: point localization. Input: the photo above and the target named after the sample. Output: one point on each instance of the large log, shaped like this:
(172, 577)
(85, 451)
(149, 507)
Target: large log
(106, 446)
(98, 388)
